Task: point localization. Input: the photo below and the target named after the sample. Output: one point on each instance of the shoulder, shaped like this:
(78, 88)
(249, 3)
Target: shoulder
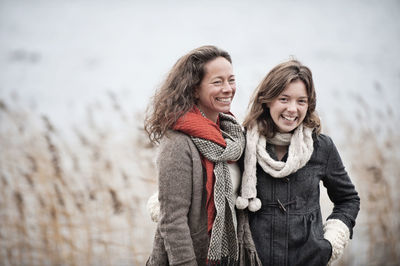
(323, 145)
(177, 143)
(326, 148)
(177, 158)
(174, 137)
(323, 141)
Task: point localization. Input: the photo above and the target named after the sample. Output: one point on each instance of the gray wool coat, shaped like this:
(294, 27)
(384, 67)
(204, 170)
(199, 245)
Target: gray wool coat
(288, 229)
(181, 237)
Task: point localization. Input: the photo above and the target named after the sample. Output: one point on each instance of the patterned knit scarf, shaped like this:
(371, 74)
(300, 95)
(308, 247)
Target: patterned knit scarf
(218, 145)
(300, 150)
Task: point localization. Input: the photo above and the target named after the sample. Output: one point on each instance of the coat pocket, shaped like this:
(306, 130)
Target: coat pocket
(327, 251)
(313, 249)
(323, 246)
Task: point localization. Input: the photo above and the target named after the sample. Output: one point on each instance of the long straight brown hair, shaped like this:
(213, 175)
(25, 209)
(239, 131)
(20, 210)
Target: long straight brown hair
(271, 87)
(176, 95)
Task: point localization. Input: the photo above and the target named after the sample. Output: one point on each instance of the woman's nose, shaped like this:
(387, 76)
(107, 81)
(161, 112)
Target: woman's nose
(292, 106)
(227, 87)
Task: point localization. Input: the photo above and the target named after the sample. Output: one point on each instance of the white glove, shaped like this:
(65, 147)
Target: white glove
(338, 234)
(153, 207)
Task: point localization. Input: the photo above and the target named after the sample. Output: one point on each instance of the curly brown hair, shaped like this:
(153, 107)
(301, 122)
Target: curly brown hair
(176, 95)
(271, 87)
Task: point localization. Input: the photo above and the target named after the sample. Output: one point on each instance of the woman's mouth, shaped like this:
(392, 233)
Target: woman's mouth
(289, 118)
(224, 99)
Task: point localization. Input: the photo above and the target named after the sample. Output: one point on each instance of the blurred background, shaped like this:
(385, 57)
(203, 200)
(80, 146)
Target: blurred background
(76, 168)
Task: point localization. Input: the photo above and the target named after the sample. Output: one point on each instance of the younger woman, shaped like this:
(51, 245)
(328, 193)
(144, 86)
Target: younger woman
(286, 157)
(199, 141)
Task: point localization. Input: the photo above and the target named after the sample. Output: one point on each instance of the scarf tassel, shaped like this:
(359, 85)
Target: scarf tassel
(254, 204)
(225, 261)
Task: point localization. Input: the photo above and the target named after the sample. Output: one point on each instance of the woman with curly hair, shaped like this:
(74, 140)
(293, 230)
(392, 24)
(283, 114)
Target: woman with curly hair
(200, 141)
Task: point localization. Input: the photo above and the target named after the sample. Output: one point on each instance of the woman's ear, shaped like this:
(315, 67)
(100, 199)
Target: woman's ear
(196, 93)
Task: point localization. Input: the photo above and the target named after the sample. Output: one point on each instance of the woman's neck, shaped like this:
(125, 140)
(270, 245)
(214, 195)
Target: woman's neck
(280, 151)
(213, 117)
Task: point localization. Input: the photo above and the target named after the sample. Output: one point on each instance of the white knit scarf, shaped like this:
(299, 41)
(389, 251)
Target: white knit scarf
(300, 150)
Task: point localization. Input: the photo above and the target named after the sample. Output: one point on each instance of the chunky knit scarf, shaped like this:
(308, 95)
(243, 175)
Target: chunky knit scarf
(300, 150)
(218, 145)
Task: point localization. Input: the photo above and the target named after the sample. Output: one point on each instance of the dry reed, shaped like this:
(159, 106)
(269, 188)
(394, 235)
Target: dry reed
(78, 197)
(371, 151)
(74, 200)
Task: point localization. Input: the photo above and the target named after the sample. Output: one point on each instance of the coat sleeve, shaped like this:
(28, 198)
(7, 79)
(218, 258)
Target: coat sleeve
(175, 191)
(341, 190)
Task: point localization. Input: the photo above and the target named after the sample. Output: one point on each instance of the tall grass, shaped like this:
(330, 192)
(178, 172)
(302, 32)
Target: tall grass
(76, 195)
(74, 199)
(371, 146)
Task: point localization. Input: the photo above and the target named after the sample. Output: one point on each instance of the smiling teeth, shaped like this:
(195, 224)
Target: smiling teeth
(289, 118)
(225, 100)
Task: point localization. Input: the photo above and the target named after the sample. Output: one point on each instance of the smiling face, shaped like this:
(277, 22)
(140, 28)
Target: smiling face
(217, 88)
(289, 109)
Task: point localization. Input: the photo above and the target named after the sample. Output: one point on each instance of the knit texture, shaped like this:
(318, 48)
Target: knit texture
(218, 145)
(300, 151)
(196, 125)
(338, 234)
(153, 207)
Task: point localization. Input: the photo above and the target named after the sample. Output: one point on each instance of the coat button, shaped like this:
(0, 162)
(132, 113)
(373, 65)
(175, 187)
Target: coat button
(281, 206)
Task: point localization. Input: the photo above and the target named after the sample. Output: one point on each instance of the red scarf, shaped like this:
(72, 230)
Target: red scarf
(195, 125)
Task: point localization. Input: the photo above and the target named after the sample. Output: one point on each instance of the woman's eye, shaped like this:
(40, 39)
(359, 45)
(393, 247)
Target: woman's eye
(302, 101)
(217, 82)
(232, 81)
(283, 99)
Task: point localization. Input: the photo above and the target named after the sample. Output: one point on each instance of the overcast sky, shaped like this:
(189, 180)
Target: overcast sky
(60, 56)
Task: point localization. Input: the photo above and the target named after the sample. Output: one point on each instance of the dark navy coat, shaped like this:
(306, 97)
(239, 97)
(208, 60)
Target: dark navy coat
(287, 230)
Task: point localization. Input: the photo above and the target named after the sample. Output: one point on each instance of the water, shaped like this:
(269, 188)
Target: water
(58, 57)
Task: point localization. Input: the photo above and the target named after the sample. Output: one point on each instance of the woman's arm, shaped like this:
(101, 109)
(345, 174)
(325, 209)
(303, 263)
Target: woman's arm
(339, 226)
(175, 191)
(340, 189)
